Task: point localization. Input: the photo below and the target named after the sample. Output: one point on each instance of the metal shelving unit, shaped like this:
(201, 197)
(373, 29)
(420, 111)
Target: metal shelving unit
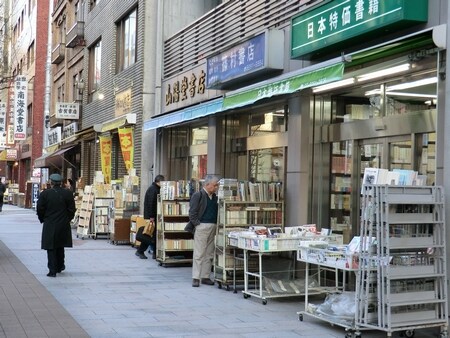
(235, 216)
(400, 264)
(402, 282)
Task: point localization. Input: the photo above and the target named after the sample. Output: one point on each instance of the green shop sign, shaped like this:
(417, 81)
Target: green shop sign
(286, 85)
(339, 21)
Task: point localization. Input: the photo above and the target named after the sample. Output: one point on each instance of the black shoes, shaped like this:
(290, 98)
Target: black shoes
(51, 274)
(207, 281)
(140, 255)
(61, 269)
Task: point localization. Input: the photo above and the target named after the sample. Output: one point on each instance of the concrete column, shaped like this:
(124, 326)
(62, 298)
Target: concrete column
(297, 174)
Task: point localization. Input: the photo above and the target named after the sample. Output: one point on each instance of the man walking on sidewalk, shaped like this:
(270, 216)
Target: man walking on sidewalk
(56, 208)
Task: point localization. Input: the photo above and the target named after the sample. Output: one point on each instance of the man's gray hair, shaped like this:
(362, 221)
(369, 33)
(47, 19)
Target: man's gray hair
(211, 178)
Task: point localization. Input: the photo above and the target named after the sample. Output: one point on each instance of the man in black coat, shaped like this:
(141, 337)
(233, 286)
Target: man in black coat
(2, 193)
(150, 212)
(56, 208)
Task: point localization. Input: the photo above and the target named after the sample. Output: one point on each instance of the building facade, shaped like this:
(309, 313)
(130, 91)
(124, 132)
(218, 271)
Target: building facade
(24, 45)
(318, 120)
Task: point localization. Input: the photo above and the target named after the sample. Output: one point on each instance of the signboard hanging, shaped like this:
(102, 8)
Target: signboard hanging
(20, 108)
(127, 147)
(67, 111)
(106, 156)
(343, 22)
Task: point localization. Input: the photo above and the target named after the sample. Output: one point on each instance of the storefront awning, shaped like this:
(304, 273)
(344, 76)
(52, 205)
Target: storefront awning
(51, 159)
(118, 122)
(284, 84)
(191, 113)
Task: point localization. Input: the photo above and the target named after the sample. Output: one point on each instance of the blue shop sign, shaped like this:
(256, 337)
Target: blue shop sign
(260, 55)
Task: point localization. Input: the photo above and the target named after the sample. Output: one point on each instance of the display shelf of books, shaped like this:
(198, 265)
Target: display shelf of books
(103, 209)
(340, 188)
(133, 230)
(84, 220)
(12, 192)
(234, 216)
(128, 195)
(174, 244)
(427, 161)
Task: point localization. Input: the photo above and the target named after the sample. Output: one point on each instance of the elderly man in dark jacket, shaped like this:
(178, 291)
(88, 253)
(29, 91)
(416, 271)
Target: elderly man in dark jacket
(150, 212)
(203, 211)
(56, 208)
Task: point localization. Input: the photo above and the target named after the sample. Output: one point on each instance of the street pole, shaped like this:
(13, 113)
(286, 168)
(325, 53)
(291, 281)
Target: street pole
(48, 75)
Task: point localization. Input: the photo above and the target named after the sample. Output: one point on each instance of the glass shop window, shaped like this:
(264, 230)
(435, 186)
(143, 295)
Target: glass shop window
(199, 135)
(267, 165)
(273, 121)
(395, 91)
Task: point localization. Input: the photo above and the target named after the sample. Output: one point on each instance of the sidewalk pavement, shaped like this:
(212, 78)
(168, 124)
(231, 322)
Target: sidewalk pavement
(106, 291)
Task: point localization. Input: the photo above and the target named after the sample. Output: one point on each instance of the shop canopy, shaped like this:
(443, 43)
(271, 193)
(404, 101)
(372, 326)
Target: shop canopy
(284, 84)
(51, 159)
(191, 113)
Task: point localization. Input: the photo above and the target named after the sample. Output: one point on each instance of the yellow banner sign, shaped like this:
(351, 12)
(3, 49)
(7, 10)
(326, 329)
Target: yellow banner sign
(105, 155)
(127, 146)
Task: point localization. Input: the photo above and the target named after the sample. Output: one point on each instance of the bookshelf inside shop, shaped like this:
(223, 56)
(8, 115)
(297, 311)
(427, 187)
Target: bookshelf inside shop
(340, 189)
(427, 160)
(174, 244)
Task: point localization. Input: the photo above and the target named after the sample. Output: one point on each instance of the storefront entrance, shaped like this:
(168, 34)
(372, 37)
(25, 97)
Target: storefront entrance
(349, 159)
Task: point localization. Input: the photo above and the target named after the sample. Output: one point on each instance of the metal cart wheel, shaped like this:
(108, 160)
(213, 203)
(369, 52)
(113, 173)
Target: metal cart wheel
(246, 296)
(300, 317)
(409, 333)
(264, 301)
(219, 285)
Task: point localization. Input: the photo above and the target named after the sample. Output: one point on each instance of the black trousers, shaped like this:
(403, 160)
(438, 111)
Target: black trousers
(55, 260)
(146, 241)
(1, 202)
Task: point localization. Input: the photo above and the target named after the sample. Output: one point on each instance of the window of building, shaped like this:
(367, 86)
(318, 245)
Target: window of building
(95, 56)
(79, 10)
(126, 41)
(77, 86)
(263, 123)
(30, 118)
(30, 55)
(93, 3)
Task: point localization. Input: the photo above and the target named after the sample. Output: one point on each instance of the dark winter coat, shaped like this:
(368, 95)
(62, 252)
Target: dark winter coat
(197, 206)
(56, 208)
(151, 201)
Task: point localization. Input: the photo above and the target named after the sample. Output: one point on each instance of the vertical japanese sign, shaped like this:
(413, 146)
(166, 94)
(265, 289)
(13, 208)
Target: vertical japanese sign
(2, 124)
(127, 147)
(106, 156)
(10, 115)
(20, 107)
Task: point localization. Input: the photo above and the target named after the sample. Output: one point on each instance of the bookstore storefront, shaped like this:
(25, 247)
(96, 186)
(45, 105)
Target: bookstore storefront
(381, 115)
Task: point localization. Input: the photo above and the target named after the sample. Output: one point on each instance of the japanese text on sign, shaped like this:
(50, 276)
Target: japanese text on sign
(20, 107)
(181, 90)
(67, 111)
(240, 60)
(339, 21)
